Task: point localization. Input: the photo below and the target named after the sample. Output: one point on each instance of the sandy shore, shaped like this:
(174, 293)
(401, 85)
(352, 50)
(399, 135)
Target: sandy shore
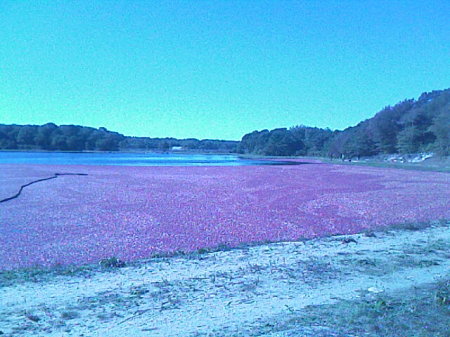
(241, 292)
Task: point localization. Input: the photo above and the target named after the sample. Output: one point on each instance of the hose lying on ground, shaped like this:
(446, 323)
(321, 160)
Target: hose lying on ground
(56, 175)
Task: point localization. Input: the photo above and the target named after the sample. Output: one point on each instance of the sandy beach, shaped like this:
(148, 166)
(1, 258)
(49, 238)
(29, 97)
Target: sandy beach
(253, 291)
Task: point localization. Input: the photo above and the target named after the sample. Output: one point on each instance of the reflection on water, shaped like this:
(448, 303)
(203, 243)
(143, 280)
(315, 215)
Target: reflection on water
(132, 159)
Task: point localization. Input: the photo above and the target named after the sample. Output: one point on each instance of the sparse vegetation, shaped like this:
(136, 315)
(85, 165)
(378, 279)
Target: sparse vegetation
(421, 311)
(41, 274)
(68, 315)
(112, 262)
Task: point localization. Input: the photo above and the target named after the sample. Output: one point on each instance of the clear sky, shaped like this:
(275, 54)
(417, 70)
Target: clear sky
(216, 69)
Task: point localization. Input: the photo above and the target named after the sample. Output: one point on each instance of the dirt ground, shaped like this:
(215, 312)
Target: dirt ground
(280, 289)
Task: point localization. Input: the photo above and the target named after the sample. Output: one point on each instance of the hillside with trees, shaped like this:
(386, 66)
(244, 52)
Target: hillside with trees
(50, 137)
(411, 126)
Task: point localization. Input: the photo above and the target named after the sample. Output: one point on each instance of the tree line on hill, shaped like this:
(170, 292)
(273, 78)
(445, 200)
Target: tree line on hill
(410, 126)
(50, 137)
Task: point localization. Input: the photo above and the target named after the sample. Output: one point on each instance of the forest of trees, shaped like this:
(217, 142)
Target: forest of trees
(410, 126)
(296, 141)
(51, 137)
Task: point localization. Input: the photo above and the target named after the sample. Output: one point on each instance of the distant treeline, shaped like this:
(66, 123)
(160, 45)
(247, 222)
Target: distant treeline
(51, 137)
(410, 126)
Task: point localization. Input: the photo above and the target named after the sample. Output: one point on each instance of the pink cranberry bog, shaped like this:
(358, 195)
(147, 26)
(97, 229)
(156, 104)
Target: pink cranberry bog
(134, 212)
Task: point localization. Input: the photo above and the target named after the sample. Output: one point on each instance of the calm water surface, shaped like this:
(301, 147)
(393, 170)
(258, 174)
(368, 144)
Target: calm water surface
(130, 159)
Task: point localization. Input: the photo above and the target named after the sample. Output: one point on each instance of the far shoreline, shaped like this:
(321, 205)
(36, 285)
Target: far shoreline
(434, 164)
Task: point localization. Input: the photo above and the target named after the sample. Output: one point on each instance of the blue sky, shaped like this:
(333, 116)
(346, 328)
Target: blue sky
(216, 69)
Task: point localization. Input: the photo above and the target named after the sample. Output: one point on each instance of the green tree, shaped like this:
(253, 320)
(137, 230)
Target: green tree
(408, 140)
(25, 137)
(43, 137)
(441, 130)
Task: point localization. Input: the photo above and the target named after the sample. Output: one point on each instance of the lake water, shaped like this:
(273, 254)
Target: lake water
(130, 159)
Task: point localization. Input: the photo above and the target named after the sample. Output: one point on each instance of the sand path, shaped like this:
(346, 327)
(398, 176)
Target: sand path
(227, 292)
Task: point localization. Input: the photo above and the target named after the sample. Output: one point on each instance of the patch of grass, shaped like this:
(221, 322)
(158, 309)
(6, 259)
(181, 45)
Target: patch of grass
(32, 317)
(203, 251)
(68, 315)
(380, 267)
(438, 167)
(112, 262)
(442, 294)
(422, 311)
(437, 246)
(40, 274)
(406, 226)
(256, 268)
(139, 291)
(312, 271)
(411, 226)
(250, 285)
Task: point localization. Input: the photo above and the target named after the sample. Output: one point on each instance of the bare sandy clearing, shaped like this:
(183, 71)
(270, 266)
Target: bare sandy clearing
(225, 293)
